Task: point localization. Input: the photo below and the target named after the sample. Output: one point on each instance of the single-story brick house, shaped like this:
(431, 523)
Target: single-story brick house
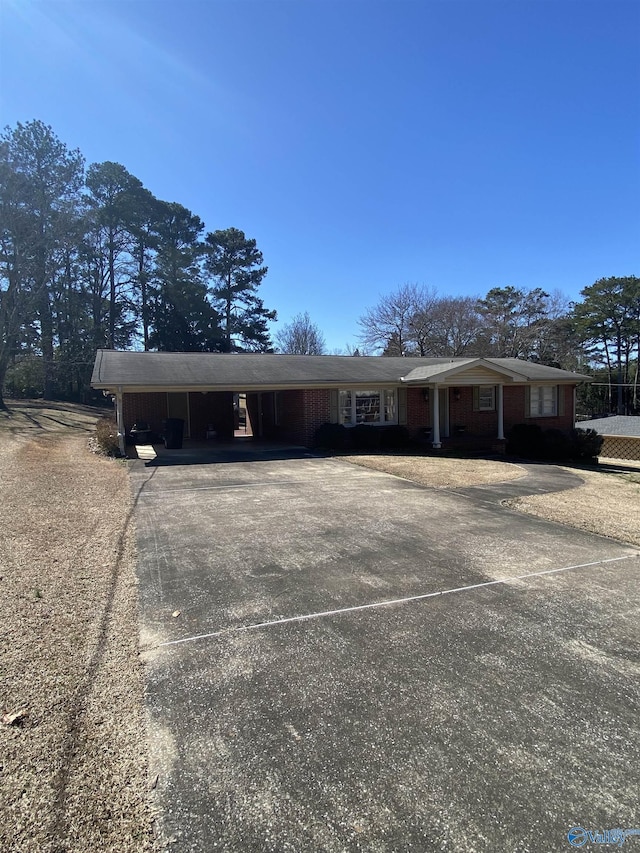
(290, 396)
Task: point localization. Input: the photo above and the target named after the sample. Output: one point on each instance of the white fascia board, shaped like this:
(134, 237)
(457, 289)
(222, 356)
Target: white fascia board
(204, 389)
(436, 378)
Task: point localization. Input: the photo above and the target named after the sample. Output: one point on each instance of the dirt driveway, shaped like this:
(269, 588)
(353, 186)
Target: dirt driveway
(470, 714)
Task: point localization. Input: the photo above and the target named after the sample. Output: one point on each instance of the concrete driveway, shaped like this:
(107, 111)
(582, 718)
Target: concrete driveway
(491, 717)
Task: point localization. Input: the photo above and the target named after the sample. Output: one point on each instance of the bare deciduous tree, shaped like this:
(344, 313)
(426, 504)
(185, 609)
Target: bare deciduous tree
(399, 322)
(300, 337)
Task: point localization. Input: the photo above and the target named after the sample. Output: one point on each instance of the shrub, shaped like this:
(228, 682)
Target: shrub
(556, 444)
(585, 443)
(107, 436)
(366, 437)
(529, 440)
(331, 436)
(395, 438)
(25, 378)
(526, 440)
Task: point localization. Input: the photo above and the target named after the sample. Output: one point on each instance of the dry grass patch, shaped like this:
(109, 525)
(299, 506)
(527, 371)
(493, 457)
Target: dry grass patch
(26, 417)
(608, 503)
(73, 774)
(440, 471)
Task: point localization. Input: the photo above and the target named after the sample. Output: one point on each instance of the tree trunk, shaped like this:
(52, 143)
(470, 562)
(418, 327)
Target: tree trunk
(620, 401)
(227, 331)
(4, 364)
(112, 292)
(46, 341)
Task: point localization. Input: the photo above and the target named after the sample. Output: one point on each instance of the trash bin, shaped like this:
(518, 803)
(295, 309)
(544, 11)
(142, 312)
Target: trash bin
(173, 429)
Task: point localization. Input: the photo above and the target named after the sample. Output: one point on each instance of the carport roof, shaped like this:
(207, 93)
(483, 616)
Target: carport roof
(159, 370)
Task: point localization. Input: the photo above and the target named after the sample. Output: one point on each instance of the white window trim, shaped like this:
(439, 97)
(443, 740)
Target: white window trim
(380, 392)
(492, 407)
(538, 413)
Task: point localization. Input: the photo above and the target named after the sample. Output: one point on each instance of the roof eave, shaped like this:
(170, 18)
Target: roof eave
(464, 366)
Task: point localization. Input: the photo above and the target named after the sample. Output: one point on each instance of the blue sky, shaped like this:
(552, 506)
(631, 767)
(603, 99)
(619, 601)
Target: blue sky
(458, 144)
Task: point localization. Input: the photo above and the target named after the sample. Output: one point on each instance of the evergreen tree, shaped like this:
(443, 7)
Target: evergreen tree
(608, 323)
(235, 264)
(40, 181)
(183, 319)
(114, 195)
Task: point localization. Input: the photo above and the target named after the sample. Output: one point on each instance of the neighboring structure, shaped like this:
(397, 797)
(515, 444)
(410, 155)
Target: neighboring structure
(621, 435)
(475, 400)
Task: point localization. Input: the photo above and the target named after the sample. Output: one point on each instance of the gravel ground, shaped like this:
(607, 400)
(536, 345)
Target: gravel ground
(73, 774)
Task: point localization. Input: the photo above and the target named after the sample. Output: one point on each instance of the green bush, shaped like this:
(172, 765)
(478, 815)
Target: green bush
(395, 438)
(526, 440)
(25, 378)
(530, 441)
(331, 436)
(107, 436)
(585, 444)
(362, 437)
(556, 444)
(365, 437)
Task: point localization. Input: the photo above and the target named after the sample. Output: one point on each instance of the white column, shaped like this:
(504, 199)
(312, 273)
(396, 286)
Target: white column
(435, 413)
(500, 413)
(120, 420)
(447, 425)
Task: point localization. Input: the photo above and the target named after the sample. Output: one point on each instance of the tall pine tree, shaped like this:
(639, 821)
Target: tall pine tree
(235, 264)
(183, 319)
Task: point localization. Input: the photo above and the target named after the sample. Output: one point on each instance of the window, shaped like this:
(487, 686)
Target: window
(368, 407)
(543, 401)
(345, 407)
(486, 398)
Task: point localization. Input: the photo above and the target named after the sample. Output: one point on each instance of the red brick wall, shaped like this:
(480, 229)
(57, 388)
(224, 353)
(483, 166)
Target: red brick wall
(515, 409)
(300, 413)
(151, 408)
(317, 411)
(461, 414)
(418, 410)
(461, 411)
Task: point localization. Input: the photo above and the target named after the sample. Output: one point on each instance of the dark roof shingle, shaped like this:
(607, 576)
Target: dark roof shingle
(177, 369)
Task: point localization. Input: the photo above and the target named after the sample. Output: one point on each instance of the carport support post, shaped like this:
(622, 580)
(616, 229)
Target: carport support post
(120, 419)
(500, 412)
(436, 418)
